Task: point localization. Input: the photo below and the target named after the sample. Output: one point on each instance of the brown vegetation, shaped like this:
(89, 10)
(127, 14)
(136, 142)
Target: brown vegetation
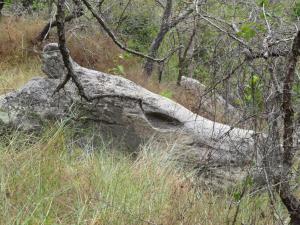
(89, 49)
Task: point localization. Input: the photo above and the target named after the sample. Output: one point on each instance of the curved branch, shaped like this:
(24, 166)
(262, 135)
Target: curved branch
(115, 39)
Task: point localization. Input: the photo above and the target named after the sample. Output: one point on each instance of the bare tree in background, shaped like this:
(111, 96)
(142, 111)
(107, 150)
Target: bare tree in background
(1, 6)
(284, 190)
(168, 22)
(185, 54)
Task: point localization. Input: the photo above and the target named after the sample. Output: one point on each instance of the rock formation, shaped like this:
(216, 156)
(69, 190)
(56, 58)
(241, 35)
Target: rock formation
(210, 102)
(123, 110)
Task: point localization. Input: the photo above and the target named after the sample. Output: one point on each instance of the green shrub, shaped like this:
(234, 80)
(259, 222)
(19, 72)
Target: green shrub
(296, 9)
(140, 29)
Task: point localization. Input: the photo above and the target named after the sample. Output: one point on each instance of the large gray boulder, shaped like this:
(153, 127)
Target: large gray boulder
(124, 111)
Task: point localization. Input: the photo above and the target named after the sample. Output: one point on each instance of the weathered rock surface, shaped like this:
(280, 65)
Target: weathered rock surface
(124, 110)
(209, 102)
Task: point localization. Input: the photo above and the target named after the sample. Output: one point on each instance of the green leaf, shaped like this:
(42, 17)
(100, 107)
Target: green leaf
(253, 94)
(249, 181)
(120, 69)
(296, 9)
(247, 31)
(237, 196)
(262, 3)
(248, 98)
(255, 80)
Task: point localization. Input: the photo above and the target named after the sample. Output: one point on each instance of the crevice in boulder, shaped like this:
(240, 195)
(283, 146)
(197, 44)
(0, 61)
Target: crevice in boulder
(162, 121)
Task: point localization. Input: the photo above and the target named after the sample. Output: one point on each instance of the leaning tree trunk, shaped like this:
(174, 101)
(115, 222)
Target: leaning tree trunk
(166, 25)
(185, 56)
(148, 68)
(183, 69)
(164, 29)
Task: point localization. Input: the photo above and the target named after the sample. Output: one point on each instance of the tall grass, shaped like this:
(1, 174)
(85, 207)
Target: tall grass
(18, 60)
(14, 77)
(47, 180)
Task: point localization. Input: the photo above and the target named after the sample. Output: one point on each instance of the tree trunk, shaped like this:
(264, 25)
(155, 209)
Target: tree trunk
(1, 6)
(164, 29)
(185, 56)
(183, 69)
(166, 25)
(148, 68)
(289, 200)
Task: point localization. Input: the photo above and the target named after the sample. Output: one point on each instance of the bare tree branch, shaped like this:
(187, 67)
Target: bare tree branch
(115, 39)
(224, 31)
(122, 15)
(160, 3)
(60, 18)
(78, 12)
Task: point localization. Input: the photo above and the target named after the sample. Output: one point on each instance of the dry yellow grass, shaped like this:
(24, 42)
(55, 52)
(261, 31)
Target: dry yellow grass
(44, 181)
(12, 77)
(18, 60)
